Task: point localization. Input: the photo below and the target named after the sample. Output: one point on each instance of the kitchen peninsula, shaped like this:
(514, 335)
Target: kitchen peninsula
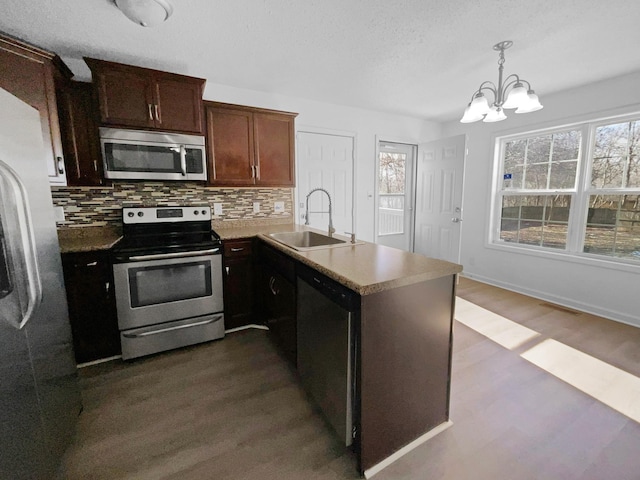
(403, 337)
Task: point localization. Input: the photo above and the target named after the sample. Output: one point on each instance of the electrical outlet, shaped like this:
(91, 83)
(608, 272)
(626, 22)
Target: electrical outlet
(58, 213)
(278, 207)
(217, 209)
(256, 207)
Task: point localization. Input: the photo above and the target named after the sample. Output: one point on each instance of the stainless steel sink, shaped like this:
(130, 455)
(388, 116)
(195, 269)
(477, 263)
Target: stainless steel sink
(308, 240)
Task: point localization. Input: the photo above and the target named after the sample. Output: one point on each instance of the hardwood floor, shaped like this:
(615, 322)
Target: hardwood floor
(233, 409)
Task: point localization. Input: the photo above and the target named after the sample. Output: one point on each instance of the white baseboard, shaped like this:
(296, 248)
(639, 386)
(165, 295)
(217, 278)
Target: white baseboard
(246, 327)
(96, 362)
(562, 301)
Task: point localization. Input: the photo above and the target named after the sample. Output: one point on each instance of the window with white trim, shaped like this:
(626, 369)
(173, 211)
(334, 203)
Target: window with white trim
(573, 189)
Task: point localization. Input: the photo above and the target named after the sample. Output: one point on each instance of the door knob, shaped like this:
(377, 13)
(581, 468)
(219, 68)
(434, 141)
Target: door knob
(456, 220)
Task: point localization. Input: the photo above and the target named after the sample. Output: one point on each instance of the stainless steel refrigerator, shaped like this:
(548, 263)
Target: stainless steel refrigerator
(39, 393)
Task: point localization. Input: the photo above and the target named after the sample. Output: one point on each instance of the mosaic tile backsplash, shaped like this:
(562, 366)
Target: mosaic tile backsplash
(102, 206)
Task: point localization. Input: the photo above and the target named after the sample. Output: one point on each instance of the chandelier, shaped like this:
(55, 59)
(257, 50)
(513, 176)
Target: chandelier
(510, 93)
(147, 13)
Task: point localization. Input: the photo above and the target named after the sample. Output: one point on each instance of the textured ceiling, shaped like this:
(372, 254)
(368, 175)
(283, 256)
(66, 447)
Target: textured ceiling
(416, 57)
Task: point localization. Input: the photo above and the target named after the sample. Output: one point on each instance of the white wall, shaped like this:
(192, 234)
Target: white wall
(600, 287)
(364, 125)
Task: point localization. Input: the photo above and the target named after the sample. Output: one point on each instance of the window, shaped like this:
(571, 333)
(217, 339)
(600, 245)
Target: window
(391, 188)
(575, 190)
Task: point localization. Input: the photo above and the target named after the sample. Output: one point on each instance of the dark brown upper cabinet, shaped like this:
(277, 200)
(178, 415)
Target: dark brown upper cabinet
(80, 137)
(32, 74)
(144, 98)
(250, 146)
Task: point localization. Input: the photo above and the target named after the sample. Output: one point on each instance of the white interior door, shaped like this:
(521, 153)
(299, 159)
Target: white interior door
(325, 161)
(395, 193)
(439, 198)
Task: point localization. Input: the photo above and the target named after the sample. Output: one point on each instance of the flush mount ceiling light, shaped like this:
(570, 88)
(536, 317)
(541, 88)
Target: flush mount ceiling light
(147, 13)
(510, 93)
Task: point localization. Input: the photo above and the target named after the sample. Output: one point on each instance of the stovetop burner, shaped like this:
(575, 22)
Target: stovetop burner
(157, 230)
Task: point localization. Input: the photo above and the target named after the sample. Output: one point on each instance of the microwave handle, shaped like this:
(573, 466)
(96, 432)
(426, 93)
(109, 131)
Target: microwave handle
(183, 160)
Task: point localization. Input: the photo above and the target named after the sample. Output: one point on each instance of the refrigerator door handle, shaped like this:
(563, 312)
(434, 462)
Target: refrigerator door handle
(27, 256)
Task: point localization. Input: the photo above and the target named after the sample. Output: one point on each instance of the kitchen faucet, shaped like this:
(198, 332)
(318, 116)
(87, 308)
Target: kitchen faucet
(306, 215)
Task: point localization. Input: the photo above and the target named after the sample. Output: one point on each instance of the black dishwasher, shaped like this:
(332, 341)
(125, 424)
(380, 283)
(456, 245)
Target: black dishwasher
(327, 317)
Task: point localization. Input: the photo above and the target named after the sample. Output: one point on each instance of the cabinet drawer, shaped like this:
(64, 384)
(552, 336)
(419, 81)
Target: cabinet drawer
(237, 248)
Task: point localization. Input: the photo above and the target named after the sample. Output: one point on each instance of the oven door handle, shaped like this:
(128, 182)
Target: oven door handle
(170, 329)
(165, 256)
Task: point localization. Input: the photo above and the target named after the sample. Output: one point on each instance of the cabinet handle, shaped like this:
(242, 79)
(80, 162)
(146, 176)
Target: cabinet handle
(157, 110)
(272, 282)
(257, 167)
(92, 264)
(237, 249)
(253, 171)
(95, 165)
(60, 165)
(227, 269)
(150, 111)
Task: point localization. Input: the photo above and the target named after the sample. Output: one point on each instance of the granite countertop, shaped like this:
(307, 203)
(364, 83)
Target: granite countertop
(87, 239)
(365, 268)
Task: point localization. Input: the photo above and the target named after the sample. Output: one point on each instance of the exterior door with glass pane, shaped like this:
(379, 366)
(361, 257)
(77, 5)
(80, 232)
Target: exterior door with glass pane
(394, 225)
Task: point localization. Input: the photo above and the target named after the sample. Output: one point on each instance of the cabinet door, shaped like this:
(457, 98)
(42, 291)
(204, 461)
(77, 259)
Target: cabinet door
(92, 312)
(274, 149)
(179, 105)
(280, 309)
(230, 144)
(238, 288)
(126, 97)
(29, 73)
(80, 135)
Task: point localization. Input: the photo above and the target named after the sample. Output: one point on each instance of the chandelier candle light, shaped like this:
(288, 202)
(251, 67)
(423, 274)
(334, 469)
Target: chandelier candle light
(509, 93)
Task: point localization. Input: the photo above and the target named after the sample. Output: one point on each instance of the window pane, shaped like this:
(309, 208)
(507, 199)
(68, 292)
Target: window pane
(611, 151)
(509, 230)
(613, 226)
(539, 149)
(530, 233)
(563, 174)
(540, 220)
(391, 174)
(536, 176)
(391, 184)
(566, 145)
(554, 235)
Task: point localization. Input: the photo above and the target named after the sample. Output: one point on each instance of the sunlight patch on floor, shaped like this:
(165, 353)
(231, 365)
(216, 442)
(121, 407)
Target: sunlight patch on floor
(501, 330)
(610, 385)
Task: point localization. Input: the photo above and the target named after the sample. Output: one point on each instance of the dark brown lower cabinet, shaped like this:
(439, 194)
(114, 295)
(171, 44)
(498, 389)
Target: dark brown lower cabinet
(92, 309)
(238, 283)
(277, 297)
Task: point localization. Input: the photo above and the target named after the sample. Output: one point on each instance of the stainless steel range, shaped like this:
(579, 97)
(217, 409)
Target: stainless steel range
(167, 273)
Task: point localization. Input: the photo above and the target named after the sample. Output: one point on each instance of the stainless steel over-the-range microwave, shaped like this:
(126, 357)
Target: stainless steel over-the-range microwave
(142, 155)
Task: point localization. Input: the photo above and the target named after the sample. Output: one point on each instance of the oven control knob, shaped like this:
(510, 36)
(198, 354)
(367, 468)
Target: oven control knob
(140, 214)
(196, 212)
(130, 214)
(204, 212)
